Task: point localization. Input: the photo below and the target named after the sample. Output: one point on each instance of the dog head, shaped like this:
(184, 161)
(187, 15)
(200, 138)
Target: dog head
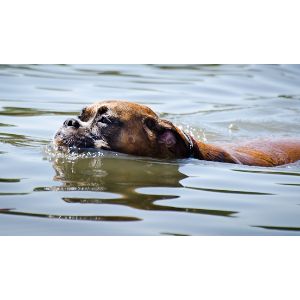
(123, 127)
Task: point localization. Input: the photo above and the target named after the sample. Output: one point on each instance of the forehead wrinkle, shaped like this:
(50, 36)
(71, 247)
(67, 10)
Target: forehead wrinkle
(123, 106)
(89, 111)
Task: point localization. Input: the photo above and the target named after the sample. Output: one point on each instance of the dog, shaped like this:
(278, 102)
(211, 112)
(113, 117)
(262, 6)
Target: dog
(135, 129)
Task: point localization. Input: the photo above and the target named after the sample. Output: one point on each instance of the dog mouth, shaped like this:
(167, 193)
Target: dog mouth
(73, 138)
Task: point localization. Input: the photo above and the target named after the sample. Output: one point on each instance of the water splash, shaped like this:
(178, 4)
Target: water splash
(52, 152)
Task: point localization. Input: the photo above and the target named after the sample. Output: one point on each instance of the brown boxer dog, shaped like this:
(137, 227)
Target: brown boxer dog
(135, 129)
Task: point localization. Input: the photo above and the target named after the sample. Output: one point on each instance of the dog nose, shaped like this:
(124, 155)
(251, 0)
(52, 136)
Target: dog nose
(71, 122)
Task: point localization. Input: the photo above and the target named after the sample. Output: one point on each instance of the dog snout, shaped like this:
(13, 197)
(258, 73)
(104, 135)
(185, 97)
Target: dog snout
(72, 123)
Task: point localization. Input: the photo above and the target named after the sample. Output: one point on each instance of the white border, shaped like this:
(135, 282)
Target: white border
(137, 31)
(150, 268)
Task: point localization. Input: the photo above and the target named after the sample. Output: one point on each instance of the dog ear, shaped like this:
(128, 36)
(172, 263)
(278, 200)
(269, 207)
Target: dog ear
(163, 131)
(168, 138)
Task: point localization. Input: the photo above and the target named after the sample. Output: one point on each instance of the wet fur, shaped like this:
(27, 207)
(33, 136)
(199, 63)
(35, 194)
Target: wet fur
(135, 129)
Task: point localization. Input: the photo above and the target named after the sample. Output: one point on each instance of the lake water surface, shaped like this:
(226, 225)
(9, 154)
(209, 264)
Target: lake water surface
(46, 193)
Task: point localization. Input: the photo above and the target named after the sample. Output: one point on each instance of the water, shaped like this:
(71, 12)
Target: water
(46, 193)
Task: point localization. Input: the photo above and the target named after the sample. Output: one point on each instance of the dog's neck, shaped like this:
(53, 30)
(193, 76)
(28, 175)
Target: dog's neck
(195, 151)
(202, 151)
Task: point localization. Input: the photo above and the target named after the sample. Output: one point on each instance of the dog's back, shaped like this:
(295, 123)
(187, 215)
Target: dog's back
(266, 152)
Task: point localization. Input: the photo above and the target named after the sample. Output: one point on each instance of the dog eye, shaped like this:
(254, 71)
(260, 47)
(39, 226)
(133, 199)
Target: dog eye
(104, 120)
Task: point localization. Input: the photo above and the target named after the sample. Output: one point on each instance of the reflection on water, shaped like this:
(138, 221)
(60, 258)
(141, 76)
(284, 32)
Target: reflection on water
(44, 192)
(22, 111)
(77, 218)
(124, 180)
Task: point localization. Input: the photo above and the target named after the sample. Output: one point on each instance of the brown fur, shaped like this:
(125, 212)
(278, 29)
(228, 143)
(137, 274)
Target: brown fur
(135, 129)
